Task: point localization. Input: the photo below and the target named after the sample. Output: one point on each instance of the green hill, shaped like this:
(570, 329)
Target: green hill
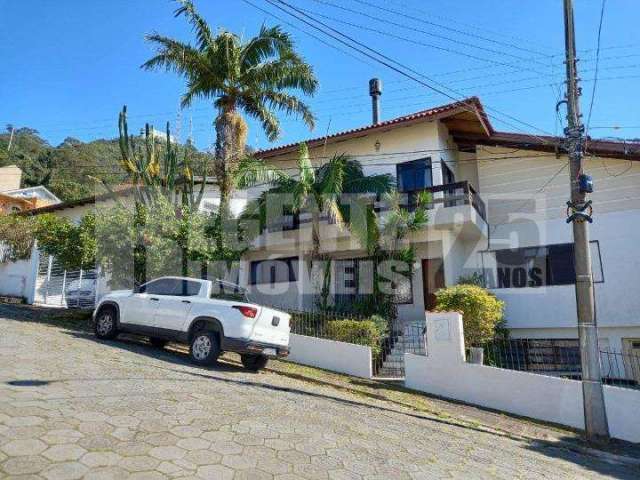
(65, 169)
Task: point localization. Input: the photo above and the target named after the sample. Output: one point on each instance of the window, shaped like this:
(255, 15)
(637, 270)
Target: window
(274, 271)
(414, 176)
(354, 277)
(447, 173)
(535, 266)
(172, 287)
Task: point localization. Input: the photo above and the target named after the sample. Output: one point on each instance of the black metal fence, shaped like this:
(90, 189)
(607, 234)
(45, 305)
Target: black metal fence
(388, 362)
(560, 357)
(389, 340)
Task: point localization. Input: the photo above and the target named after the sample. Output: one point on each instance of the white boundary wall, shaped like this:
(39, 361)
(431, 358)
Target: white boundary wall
(445, 372)
(331, 355)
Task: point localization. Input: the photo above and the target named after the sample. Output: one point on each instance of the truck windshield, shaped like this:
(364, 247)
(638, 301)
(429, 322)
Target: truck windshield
(223, 290)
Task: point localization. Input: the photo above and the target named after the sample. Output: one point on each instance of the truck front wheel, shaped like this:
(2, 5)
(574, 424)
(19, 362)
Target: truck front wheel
(254, 362)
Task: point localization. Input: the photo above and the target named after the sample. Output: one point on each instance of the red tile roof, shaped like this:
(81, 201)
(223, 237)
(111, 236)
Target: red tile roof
(471, 104)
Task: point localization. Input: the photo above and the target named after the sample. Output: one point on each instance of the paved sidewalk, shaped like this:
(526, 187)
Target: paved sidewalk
(72, 407)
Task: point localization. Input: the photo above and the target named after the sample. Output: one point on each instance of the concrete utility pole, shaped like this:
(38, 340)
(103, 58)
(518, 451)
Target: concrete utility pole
(595, 416)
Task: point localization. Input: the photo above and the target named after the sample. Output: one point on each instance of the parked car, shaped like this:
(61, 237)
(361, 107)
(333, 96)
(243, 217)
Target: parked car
(210, 316)
(81, 293)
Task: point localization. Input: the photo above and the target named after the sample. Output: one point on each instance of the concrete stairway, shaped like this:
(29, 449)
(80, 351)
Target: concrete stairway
(411, 340)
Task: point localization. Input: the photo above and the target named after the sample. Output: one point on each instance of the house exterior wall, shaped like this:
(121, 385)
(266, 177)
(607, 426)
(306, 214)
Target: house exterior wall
(550, 311)
(10, 178)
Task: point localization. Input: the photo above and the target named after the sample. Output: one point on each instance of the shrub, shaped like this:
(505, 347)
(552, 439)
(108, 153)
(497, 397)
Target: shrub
(481, 311)
(360, 332)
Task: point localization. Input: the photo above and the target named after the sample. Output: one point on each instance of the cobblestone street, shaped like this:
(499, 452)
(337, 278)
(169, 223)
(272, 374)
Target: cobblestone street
(72, 407)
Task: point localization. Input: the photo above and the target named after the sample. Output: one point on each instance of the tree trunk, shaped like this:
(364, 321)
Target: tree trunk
(231, 136)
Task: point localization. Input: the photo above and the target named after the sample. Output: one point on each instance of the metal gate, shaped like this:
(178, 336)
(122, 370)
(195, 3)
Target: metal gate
(64, 288)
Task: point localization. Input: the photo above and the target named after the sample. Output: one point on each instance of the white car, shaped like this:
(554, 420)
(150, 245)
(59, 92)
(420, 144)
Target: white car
(201, 313)
(81, 293)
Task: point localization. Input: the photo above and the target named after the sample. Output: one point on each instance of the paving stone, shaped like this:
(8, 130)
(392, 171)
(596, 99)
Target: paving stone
(24, 465)
(167, 453)
(64, 452)
(139, 463)
(101, 459)
(149, 415)
(65, 471)
(215, 472)
(17, 448)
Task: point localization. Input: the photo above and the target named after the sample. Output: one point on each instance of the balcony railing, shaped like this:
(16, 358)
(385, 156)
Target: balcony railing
(459, 193)
(452, 195)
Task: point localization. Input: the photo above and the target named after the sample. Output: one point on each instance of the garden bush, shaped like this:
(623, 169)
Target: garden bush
(482, 312)
(360, 332)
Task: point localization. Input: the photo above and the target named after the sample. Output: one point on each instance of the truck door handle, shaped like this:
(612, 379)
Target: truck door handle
(154, 299)
(186, 301)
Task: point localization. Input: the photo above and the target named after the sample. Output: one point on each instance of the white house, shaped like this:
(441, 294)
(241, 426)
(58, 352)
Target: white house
(499, 211)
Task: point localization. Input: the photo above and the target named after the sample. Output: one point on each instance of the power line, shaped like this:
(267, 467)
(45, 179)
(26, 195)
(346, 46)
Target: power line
(404, 6)
(595, 80)
(425, 32)
(386, 63)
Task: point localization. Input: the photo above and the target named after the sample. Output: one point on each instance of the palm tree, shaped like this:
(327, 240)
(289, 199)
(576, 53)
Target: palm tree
(384, 235)
(318, 192)
(254, 77)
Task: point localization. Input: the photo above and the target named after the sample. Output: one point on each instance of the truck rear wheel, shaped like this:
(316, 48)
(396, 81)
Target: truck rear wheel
(204, 348)
(254, 362)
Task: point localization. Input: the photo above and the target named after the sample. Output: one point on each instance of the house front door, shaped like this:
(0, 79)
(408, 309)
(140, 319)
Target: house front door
(432, 280)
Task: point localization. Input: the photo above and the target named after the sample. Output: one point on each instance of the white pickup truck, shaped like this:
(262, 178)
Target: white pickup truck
(210, 316)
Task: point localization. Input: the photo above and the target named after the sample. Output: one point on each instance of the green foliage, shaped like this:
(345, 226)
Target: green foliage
(482, 312)
(173, 238)
(74, 246)
(360, 332)
(67, 169)
(16, 238)
(473, 279)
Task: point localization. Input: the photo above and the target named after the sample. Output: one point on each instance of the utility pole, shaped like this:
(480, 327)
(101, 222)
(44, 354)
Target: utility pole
(11, 138)
(595, 416)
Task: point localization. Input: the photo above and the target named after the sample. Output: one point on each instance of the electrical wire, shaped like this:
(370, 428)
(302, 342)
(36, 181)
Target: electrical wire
(595, 80)
(385, 61)
(424, 32)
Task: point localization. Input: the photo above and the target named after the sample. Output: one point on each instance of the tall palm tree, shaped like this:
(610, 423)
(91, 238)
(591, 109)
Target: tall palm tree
(318, 192)
(255, 78)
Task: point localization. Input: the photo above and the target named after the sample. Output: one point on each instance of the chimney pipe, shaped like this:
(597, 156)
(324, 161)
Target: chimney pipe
(375, 90)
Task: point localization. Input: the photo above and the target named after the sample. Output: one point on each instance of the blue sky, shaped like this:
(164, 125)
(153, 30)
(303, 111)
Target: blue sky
(67, 67)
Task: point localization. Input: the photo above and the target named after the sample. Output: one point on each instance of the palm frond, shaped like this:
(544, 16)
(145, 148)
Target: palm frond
(259, 111)
(331, 176)
(291, 105)
(305, 167)
(199, 25)
(251, 171)
(269, 42)
(173, 55)
(282, 74)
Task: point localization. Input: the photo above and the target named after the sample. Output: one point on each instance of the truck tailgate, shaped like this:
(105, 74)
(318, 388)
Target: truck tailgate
(272, 326)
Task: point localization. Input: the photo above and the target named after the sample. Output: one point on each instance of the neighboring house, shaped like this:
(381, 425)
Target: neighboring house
(10, 178)
(16, 279)
(14, 199)
(42, 280)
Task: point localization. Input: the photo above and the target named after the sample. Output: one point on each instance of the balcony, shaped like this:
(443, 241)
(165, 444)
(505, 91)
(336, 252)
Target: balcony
(452, 205)
(456, 194)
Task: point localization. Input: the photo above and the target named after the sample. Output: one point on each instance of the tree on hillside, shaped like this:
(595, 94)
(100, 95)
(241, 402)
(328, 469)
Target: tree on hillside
(254, 78)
